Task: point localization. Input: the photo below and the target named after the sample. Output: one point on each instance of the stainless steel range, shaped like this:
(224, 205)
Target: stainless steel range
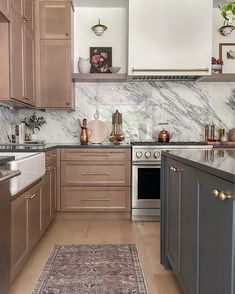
(146, 181)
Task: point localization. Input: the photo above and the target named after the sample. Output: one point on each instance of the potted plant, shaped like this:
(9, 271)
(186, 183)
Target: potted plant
(34, 122)
(228, 13)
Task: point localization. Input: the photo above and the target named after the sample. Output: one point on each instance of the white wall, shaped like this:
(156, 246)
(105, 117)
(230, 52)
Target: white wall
(115, 36)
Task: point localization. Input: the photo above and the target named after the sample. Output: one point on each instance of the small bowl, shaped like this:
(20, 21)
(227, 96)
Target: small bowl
(115, 69)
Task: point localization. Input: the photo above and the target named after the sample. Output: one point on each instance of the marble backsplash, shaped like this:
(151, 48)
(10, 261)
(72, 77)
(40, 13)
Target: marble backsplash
(185, 106)
(7, 117)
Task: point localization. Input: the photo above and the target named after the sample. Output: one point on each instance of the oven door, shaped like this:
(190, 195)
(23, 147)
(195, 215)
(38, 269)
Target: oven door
(146, 186)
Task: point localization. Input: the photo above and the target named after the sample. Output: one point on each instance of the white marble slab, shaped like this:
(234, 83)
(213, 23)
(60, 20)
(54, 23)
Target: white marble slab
(186, 106)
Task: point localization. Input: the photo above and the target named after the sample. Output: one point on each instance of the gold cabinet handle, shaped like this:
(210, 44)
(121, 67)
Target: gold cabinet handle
(174, 169)
(101, 199)
(31, 196)
(96, 154)
(26, 18)
(224, 196)
(26, 98)
(95, 174)
(216, 193)
(221, 195)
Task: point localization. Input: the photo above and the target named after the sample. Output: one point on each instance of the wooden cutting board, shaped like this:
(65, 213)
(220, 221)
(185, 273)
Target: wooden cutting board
(98, 130)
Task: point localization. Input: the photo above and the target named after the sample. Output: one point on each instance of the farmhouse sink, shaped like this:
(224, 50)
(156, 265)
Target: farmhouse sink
(31, 165)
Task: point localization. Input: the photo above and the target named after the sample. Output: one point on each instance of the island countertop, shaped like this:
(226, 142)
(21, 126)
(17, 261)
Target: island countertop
(219, 162)
(5, 159)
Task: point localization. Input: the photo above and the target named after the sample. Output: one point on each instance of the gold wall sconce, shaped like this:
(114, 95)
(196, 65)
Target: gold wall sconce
(99, 29)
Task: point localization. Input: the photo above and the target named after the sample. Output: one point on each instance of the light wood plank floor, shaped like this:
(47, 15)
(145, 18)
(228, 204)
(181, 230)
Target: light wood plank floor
(94, 228)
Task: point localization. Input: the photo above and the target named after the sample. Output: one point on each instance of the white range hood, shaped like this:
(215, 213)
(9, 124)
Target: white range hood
(169, 40)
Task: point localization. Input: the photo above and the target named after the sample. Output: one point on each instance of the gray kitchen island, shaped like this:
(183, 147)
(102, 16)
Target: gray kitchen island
(198, 219)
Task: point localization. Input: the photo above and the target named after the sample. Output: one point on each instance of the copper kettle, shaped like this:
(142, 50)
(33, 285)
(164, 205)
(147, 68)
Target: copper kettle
(164, 136)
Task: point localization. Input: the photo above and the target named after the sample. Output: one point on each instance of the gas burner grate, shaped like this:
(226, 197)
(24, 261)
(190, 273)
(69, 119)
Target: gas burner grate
(168, 143)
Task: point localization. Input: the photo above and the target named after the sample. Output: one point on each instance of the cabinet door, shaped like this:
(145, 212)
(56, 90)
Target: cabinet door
(16, 56)
(56, 73)
(167, 35)
(34, 215)
(46, 200)
(29, 14)
(5, 8)
(19, 233)
(53, 193)
(55, 20)
(81, 173)
(188, 229)
(18, 6)
(173, 184)
(95, 199)
(216, 237)
(29, 66)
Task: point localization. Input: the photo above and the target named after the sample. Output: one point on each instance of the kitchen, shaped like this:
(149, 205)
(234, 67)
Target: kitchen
(148, 100)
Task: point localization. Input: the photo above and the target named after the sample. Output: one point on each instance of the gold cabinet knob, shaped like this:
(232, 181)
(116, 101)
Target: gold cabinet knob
(224, 196)
(67, 34)
(174, 169)
(215, 193)
(67, 103)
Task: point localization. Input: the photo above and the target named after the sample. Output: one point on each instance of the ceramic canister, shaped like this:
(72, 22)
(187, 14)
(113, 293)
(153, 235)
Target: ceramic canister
(84, 65)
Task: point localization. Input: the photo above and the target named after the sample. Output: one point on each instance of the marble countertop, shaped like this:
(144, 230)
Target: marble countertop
(49, 146)
(5, 159)
(219, 162)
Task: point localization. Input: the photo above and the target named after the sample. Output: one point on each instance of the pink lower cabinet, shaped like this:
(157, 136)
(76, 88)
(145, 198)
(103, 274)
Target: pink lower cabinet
(95, 179)
(95, 198)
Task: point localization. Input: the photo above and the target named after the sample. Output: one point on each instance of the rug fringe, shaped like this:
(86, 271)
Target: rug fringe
(46, 268)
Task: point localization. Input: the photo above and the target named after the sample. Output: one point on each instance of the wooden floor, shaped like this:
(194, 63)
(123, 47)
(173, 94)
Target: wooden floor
(93, 228)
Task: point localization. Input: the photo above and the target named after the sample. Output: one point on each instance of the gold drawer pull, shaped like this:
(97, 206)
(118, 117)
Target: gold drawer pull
(31, 196)
(102, 199)
(95, 174)
(174, 169)
(101, 155)
(221, 195)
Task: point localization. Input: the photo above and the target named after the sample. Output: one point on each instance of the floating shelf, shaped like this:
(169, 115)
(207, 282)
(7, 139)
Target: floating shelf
(226, 77)
(99, 77)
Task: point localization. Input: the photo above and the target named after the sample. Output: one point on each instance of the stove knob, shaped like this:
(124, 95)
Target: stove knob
(156, 154)
(147, 154)
(139, 154)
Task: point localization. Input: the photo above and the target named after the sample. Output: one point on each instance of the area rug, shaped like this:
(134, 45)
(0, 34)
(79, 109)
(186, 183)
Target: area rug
(92, 269)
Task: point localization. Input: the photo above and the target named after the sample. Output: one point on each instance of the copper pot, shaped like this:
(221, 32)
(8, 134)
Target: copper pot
(164, 136)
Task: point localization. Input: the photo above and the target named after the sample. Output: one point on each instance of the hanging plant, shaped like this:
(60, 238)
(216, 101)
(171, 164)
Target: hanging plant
(34, 122)
(228, 12)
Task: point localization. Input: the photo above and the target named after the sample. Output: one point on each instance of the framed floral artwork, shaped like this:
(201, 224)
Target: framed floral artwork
(101, 59)
(227, 54)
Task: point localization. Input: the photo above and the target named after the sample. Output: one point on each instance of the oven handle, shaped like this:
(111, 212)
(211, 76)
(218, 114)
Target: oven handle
(146, 164)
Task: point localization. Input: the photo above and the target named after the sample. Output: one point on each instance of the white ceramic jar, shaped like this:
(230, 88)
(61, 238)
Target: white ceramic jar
(84, 65)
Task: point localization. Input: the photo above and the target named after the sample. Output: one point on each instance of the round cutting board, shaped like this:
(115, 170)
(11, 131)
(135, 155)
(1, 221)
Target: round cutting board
(98, 130)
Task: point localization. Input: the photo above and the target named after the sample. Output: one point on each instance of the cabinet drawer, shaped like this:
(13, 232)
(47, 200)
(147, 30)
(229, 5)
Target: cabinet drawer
(95, 198)
(102, 154)
(73, 173)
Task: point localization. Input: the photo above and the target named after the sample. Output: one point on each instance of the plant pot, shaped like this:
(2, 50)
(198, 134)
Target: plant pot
(34, 137)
